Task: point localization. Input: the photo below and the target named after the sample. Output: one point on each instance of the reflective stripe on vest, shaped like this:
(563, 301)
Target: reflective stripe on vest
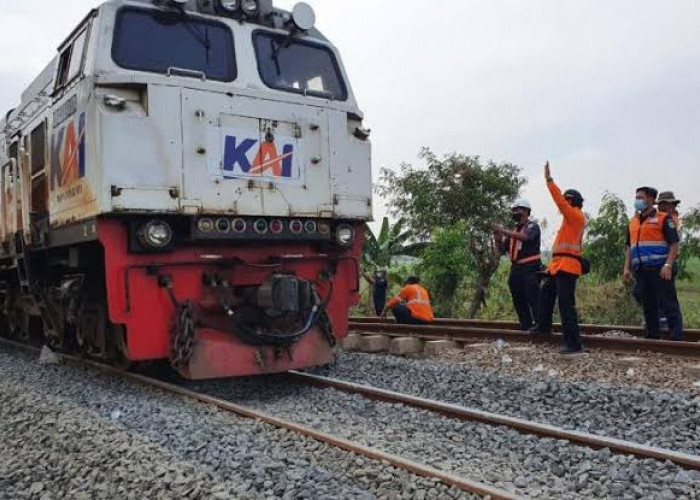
(648, 241)
(567, 247)
(529, 260)
(418, 299)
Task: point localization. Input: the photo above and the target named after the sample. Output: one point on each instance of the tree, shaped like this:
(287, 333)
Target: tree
(445, 265)
(606, 237)
(392, 242)
(690, 242)
(456, 189)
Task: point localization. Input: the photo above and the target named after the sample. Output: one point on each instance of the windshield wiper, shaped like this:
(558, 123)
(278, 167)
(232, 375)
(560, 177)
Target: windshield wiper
(203, 39)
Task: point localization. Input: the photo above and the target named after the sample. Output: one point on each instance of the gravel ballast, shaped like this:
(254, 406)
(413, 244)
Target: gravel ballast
(650, 369)
(654, 417)
(70, 432)
(524, 464)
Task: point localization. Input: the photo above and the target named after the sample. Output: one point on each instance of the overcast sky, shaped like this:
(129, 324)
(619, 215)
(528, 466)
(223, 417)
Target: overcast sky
(609, 91)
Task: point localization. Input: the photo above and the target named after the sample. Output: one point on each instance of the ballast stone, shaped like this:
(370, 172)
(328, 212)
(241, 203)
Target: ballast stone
(48, 357)
(476, 347)
(405, 345)
(629, 361)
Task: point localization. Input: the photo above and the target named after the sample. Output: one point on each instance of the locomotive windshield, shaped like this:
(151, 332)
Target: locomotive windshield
(299, 66)
(165, 42)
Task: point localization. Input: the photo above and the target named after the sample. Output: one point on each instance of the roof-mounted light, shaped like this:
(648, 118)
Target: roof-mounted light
(230, 6)
(303, 17)
(250, 8)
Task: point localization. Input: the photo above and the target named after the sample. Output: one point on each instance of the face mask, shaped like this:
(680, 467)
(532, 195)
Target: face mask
(640, 205)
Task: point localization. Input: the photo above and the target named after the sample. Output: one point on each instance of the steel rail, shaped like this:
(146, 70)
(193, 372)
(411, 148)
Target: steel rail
(691, 335)
(419, 469)
(469, 334)
(469, 414)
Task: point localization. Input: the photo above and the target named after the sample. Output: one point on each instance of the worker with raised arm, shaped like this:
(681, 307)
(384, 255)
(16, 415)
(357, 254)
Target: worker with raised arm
(522, 245)
(411, 306)
(566, 266)
(652, 249)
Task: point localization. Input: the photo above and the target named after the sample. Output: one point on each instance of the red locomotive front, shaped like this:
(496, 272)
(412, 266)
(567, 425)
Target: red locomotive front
(187, 182)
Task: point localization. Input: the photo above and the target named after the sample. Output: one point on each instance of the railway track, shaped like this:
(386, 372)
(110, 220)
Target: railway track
(419, 469)
(691, 335)
(451, 411)
(526, 426)
(467, 333)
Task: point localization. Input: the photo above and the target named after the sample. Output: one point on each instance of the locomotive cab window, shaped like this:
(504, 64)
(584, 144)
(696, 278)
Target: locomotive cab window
(299, 66)
(173, 43)
(70, 64)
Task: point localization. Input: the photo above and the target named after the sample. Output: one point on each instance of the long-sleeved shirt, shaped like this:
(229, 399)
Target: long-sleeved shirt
(569, 239)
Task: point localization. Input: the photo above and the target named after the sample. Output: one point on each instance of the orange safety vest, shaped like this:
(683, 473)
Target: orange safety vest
(514, 252)
(417, 300)
(568, 246)
(647, 240)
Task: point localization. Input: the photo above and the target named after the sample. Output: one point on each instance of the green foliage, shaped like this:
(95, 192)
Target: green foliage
(456, 190)
(445, 265)
(607, 302)
(392, 242)
(598, 301)
(690, 243)
(499, 305)
(607, 237)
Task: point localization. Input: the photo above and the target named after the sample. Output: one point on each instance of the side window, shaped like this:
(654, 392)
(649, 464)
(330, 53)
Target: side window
(77, 53)
(14, 150)
(70, 64)
(39, 196)
(63, 63)
(38, 148)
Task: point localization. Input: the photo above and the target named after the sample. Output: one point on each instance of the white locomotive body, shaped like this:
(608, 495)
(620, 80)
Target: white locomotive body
(182, 130)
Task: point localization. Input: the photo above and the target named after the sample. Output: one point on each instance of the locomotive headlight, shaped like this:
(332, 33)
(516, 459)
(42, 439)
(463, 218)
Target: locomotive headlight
(230, 5)
(250, 7)
(155, 234)
(344, 235)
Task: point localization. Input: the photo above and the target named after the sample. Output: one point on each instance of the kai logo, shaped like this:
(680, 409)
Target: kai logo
(68, 158)
(247, 157)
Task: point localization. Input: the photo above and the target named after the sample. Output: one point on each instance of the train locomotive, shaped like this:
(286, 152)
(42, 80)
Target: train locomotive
(187, 181)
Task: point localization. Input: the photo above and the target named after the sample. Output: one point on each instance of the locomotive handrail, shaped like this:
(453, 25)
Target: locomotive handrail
(3, 205)
(173, 70)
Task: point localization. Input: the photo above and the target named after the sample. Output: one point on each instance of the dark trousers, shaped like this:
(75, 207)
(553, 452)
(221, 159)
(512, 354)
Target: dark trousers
(524, 284)
(658, 293)
(379, 299)
(403, 316)
(560, 288)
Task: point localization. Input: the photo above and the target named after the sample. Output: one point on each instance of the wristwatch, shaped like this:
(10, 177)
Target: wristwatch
(667, 265)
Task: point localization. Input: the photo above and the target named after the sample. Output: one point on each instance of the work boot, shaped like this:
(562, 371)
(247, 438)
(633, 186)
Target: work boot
(568, 351)
(535, 331)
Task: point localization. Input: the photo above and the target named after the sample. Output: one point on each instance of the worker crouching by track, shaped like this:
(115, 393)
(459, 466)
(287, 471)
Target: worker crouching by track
(566, 267)
(415, 309)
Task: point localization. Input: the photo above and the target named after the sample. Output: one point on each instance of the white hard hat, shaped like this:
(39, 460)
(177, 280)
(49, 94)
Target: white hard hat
(522, 203)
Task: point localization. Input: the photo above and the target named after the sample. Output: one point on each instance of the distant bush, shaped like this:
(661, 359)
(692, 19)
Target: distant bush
(598, 301)
(607, 302)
